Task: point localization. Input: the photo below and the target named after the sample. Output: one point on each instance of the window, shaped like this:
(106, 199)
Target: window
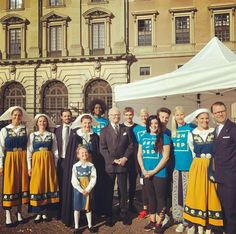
(144, 29)
(144, 32)
(54, 34)
(222, 26)
(55, 98)
(55, 2)
(55, 41)
(98, 31)
(182, 30)
(14, 95)
(98, 35)
(98, 89)
(183, 25)
(14, 43)
(97, 0)
(144, 71)
(15, 4)
(222, 21)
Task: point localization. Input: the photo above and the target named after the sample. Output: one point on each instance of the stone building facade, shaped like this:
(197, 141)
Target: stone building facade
(63, 53)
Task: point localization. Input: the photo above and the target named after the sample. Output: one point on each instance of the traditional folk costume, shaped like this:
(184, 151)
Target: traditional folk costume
(83, 178)
(13, 144)
(42, 155)
(202, 206)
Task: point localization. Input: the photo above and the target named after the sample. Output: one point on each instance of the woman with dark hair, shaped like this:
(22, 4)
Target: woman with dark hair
(13, 162)
(81, 134)
(153, 154)
(42, 156)
(97, 109)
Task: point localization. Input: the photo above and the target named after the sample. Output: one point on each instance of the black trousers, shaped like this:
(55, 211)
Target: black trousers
(132, 184)
(227, 197)
(122, 184)
(60, 179)
(157, 193)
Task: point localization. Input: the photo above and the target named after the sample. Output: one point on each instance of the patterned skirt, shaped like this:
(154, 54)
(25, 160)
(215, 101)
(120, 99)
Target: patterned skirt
(202, 206)
(43, 184)
(15, 180)
(82, 202)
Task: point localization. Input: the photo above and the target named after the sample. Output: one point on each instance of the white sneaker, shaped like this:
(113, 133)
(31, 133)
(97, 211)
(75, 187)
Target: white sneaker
(180, 228)
(200, 230)
(191, 230)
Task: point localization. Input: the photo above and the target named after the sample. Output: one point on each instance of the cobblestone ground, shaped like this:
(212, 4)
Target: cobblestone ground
(57, 227)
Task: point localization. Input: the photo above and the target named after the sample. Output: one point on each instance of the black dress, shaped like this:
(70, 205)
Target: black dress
(70, 160)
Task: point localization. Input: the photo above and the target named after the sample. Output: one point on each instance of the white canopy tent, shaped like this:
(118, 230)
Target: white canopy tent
(208, 77)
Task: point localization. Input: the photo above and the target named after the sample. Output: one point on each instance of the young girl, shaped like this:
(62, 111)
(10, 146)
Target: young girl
(83, 180)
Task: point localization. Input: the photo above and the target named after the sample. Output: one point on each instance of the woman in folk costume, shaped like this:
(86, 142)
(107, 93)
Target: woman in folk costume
(81, 134)
(202, 206)
(182, 161)
(42, 155)
(13, 162)
(83, 180)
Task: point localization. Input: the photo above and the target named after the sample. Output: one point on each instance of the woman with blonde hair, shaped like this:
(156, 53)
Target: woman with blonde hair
(42, 156)
(13, 162)
(182, 161)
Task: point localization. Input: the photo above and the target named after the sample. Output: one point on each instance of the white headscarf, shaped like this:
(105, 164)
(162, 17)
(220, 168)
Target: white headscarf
(7, 115)
(51, 124)
(77, 122)
(191, 117)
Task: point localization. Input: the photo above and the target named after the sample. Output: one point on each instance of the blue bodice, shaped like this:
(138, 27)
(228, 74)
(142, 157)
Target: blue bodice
(83, 171)
(203, 148)
(38, 142)
(14, 140)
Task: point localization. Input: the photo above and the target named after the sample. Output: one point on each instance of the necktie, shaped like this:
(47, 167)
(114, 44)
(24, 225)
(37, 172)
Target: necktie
(116, 129)
(66, 135)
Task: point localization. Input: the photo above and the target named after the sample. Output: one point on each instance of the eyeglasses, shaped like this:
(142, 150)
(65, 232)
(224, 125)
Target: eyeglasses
(219, 112)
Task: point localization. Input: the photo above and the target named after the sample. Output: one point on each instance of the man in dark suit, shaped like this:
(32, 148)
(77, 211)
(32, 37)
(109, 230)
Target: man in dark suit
(224, 152)
(116, 146)
(62, 135)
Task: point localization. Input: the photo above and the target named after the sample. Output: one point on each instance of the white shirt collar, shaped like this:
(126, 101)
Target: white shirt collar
(15, 127)
(80, 133)
(46, 133)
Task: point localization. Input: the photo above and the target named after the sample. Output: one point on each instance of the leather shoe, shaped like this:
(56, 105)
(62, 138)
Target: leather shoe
(109, 222)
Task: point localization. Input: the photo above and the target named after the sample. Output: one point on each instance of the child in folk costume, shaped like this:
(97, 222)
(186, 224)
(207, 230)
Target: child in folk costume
(42, 156)
(83, 180)
(202, 206)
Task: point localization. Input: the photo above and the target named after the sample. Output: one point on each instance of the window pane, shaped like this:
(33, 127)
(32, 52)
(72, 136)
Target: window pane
(55, 38)
(14, 41)
(15, 4)
(144, 71)
(182, 30)
(144, 32)
(222, 26)
(56, 2)
(98, 36)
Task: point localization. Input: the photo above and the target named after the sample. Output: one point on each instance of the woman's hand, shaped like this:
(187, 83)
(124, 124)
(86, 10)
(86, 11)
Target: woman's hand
(30, 172)
(1, 171)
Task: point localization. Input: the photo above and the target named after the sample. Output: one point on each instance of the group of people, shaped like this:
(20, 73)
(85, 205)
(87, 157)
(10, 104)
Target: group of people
(186, 173)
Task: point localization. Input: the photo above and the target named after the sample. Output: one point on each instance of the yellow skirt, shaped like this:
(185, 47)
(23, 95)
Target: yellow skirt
(202, 206)
(43, 184)
(15, 180)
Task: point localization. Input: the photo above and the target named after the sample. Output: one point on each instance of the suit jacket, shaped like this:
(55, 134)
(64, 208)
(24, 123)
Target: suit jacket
(114, 146)
(224, 153)
(58, 133)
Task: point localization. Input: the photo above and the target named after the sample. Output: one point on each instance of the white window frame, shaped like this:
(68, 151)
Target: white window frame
(223, 9)
(144, 15)
(183, 12)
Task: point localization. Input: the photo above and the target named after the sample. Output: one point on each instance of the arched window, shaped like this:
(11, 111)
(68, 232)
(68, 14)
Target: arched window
(13, 95)
(55, 98)
(98, 89)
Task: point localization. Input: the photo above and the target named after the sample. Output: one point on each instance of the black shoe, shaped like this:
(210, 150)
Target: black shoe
(150, 226)
(126, 221)
(158, 229)
(109, 222)
(10, 225)
(77, 231)
(21, 221)
(93, 230)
